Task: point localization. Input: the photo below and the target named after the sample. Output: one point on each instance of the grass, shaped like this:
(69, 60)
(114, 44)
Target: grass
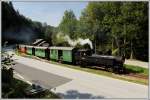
(137, 69)
(133, 69)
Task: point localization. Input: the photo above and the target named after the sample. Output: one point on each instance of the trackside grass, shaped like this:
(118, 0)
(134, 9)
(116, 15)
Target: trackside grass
(137, 69)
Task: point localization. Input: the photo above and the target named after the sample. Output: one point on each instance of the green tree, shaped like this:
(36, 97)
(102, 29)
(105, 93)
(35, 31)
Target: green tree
(49, 31)
(112, 22)
(124, 24)
(84, 27)
(134, 15)
(68, 24)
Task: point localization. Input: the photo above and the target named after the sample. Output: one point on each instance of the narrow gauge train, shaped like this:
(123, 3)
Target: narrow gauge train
(73, 55)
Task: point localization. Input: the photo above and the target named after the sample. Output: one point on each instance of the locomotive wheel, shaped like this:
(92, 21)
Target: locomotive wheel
(77, 63)
(109, 69)
(60, 61)
(83, 64)
(123, 71)
(115, 70)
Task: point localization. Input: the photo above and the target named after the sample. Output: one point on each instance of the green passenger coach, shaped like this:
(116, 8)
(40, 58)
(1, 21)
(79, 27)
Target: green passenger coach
(53, 54)
(62, 54)
(40, 51)
(29, 50)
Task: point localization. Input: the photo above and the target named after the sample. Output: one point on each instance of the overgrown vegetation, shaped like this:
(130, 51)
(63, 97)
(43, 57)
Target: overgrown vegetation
(15, 90)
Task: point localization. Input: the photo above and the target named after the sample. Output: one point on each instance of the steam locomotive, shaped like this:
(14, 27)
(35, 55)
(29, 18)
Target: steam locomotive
(71, 55)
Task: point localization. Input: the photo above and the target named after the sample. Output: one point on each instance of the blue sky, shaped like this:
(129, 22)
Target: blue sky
(49, 12)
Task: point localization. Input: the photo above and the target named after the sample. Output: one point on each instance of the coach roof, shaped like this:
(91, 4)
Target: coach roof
(62, 48)
(40, 47)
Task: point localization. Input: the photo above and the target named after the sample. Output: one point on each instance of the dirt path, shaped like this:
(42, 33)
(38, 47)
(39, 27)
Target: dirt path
(137, 63)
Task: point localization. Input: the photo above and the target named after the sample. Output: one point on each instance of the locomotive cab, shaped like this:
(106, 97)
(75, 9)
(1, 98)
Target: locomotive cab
(81, 54)
(84, 52)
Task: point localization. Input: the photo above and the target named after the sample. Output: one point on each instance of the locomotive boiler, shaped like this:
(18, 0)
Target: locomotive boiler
(111, 63)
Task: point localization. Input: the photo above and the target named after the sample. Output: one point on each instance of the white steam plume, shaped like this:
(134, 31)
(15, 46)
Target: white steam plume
(75, 42)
